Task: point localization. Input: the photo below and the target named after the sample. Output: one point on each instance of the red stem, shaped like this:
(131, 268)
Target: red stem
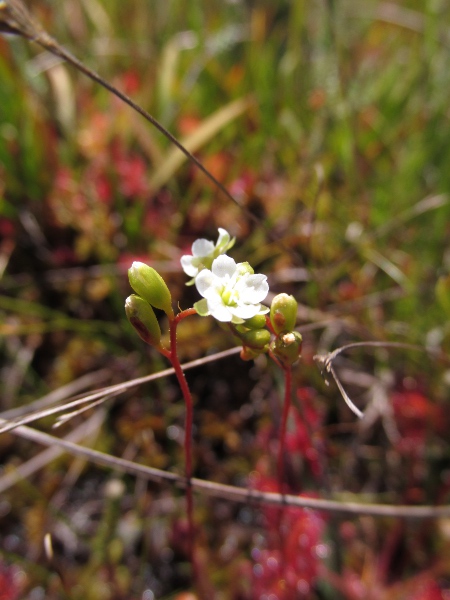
(283, 428)
(280, 463)
(270, 326)
(188, 431)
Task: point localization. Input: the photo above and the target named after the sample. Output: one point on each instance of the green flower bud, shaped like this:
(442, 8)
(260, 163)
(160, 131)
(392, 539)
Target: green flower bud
(256, 322)
(141, 316)
(244, 267)
(287, 347)
(149, 284)
(256, 338)
(283, 313)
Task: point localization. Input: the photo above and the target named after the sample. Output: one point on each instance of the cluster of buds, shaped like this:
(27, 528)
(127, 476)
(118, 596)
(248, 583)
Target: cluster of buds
(256, 339)
(287, 344)
(151, 292)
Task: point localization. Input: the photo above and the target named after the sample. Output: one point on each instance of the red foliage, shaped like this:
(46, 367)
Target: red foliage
(7, 228)
(289, 566)
(10, 588)
(131, 82)
(131, 172)
(415, 415)
(289, 572)
(428, 590)
(298, 436)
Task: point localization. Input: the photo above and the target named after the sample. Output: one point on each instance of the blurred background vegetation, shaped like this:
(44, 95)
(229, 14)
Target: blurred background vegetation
(328, 120)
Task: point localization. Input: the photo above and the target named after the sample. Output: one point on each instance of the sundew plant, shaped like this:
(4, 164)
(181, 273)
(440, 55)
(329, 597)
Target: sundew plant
(266, 186)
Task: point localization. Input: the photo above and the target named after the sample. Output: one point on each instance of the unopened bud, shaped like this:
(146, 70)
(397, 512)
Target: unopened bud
(256, 322)
(283, 313)
(141, 316)
(256, 338)
(287, 347)
(149, 284)
(244, 268)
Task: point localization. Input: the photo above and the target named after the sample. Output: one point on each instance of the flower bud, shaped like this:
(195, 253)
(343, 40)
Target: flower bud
(256, 338)
(141, 316)
(256, 322)
(243, 268)
(287, 347)
(283, 313)
(149, 284)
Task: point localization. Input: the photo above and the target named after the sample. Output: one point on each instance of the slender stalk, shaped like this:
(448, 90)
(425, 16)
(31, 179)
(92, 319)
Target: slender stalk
(188, 433)
(283, 427)
(287, 370)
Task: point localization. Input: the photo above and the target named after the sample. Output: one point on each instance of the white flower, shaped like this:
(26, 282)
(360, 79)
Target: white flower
(231, 291)
(204, 252)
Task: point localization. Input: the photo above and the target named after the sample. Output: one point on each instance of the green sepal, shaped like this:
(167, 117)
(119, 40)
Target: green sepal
(143, 319)
(149, 284)
(202, 308)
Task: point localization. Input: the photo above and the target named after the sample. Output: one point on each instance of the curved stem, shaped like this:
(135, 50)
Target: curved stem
(183, 314)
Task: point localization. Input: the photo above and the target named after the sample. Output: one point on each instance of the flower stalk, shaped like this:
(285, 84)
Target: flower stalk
(152, 292)
(188, 424)
(287, 370)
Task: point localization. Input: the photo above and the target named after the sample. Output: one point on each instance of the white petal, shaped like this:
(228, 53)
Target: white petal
(256, 289)
(224, 237)
(202, 247)
(245, 311)
(187, 266)
(223, 265)
(220, 312)
(208, 285)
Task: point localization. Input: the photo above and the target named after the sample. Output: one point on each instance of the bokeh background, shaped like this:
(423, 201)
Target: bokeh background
(328, 120)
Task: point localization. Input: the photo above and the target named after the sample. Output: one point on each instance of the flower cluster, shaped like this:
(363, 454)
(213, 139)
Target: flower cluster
(232, 293)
